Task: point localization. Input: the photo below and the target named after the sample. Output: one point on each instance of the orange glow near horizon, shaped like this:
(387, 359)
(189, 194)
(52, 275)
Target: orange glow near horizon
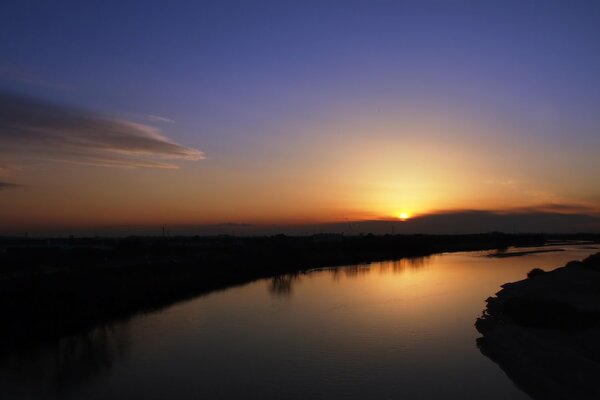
(398, 172)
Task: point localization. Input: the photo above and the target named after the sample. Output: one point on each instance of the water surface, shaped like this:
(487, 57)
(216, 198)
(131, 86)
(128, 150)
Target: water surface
(391, 330)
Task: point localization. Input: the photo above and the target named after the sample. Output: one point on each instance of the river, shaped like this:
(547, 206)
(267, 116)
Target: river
(387, 330)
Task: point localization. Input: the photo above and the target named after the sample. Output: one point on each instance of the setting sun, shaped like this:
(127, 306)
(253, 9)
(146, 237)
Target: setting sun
(403, 216)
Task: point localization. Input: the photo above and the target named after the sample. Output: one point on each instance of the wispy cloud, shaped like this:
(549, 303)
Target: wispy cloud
(53, 132)
(158, 118)
(560, 208)
(234, 225)
(6, 169)
(8, 185)
(564, 208)
(537, 200)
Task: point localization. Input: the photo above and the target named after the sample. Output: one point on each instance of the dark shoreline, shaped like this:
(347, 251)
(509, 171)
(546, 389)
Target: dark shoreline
(50, 288)
(522, 253)
(543, 331)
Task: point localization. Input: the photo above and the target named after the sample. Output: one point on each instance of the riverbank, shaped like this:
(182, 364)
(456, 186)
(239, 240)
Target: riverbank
(55, 287)
(543, 331)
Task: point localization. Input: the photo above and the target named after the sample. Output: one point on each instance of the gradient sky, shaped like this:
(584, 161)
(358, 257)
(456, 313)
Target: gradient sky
(144, 113)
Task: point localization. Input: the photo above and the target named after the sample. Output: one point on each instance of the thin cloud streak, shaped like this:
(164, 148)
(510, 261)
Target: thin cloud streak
(541, 208)
(9, 185)
(158, 118)
(561, 208)
(53, 132)
(6, 169)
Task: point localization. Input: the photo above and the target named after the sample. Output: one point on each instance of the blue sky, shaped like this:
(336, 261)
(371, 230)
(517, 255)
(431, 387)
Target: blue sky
(258, 86)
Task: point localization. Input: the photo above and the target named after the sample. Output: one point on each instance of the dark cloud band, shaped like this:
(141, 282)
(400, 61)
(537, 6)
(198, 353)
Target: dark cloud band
(8, 185)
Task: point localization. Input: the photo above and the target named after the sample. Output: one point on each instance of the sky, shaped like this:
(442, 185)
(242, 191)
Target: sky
(139, 114)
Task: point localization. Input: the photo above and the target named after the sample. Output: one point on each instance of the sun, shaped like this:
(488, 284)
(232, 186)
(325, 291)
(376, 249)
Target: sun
(403, 216)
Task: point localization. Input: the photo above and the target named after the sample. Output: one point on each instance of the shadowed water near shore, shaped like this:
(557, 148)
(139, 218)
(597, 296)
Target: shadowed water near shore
(63, 365)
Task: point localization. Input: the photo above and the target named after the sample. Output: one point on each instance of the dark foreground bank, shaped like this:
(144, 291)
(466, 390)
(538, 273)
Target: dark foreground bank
(50, 288)
(543, 331)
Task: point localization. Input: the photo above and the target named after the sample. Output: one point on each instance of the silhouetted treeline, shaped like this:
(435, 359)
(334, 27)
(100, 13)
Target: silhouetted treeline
(53, 287)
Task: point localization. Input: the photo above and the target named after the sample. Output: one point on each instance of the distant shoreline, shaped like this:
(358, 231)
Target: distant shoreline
(522, 253)
(55, 287)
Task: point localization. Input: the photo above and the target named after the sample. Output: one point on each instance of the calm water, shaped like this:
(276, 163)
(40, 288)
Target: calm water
(389, 330)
